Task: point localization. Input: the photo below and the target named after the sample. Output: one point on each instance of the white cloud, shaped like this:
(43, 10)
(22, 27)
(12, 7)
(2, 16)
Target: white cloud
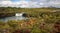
(32, 3)
(24, 4)
(47, 3)
(14, 4)
(5, 3)
(55, 3)
(4, 0)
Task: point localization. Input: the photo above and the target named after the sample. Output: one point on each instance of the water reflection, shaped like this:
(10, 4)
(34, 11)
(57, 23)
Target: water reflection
(18, 16)
(12, 18)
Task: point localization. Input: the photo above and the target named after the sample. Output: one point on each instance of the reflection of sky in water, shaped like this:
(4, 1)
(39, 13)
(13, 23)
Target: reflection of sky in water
(12, 18)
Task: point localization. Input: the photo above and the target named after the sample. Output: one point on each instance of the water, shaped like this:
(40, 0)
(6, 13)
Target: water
(12, 18)
(18, 16)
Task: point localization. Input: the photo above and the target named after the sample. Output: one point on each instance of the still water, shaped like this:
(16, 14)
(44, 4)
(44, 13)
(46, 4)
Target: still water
(12, 18)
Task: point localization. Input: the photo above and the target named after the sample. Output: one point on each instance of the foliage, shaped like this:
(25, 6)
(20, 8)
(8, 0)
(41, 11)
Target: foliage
(41, 20)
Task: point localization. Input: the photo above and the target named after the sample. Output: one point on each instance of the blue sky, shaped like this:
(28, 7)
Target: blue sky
(30, 3)
(15, 0)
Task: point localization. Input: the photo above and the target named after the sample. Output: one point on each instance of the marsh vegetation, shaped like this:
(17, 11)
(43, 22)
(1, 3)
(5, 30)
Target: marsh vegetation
(41, 20)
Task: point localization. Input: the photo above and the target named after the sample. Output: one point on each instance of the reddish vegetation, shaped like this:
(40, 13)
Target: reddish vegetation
(30, 22)
(56, 27)
(17, 31)
(22, 31)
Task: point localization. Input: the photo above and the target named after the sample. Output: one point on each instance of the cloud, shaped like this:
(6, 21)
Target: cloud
(47, 3)
(4, 0)
(14, 4)
(30, 3)
(55, 3)
(5, 3)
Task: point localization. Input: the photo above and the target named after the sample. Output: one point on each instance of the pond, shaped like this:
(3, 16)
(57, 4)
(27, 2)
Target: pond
(12, 18)
(18, 16)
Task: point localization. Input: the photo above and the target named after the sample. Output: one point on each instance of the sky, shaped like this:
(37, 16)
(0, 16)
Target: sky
(30, 3)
